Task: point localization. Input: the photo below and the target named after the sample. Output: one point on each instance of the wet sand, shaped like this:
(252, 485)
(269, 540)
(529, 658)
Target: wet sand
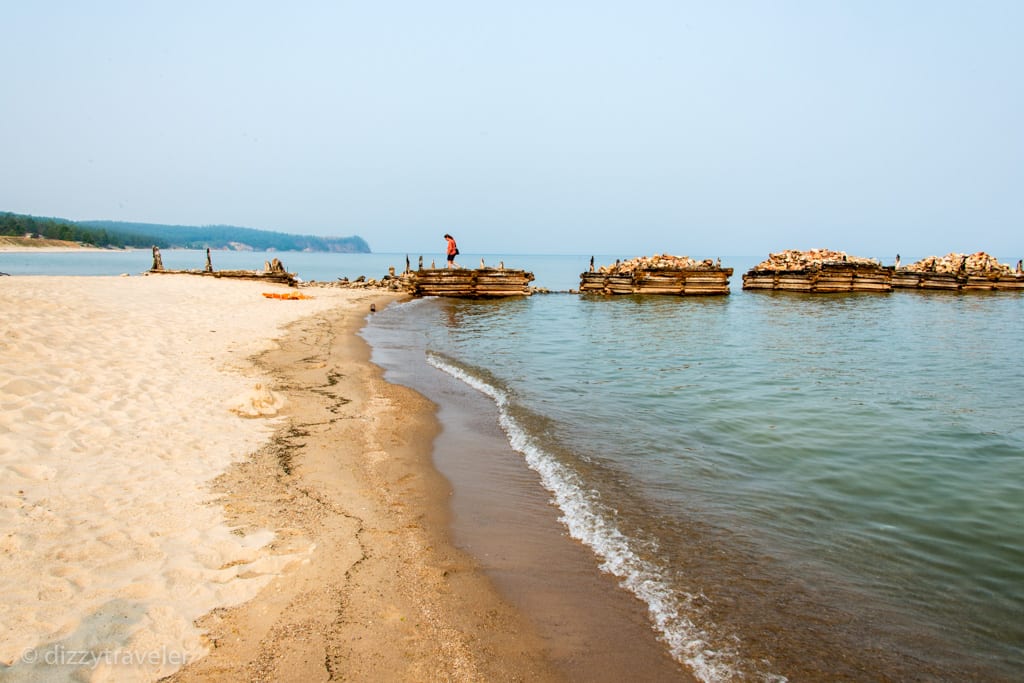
(400, 587)
(504, 517)
(384, 596)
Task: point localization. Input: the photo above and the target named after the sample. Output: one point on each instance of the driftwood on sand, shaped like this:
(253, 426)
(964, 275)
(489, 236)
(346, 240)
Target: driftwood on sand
(273, 271)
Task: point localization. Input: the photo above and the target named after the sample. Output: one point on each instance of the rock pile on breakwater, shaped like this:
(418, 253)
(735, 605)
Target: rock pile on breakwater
(468, 283)
(659, 262)
(657, 274)
(795, 260)
(818, 271)
(812, 271)
(960, 272)
(976, 263)
(472, 283)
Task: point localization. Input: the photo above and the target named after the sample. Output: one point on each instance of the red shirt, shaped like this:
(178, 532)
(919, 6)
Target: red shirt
(451, 246)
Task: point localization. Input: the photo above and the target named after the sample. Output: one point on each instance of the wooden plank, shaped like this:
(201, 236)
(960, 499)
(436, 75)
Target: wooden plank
(1009, 284)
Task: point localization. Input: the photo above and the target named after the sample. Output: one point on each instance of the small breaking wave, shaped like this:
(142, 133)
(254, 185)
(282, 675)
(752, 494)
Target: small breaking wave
(592, 523)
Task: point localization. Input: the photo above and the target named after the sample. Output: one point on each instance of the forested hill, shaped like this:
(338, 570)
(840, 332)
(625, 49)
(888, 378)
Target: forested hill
(120, 234)
(19, 225)
(233, 237)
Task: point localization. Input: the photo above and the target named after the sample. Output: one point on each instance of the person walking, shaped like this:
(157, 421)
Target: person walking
(453, 251)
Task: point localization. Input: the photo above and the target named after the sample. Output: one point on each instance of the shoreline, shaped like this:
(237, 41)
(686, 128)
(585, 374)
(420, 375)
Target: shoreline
(157, 510)
(502, 513)
(384, 594)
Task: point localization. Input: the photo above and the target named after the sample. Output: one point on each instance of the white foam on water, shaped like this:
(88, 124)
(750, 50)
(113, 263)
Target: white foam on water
(589, 521)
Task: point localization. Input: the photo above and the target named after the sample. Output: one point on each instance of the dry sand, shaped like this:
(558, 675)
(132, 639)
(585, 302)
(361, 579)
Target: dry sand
(145, 523)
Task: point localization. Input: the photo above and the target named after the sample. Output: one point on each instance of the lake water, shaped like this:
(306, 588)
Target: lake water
(792, 486)
(798, 486)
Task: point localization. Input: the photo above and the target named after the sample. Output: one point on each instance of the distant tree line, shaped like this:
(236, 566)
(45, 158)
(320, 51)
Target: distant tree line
(234, 237)
(19, 225)
(144, 235)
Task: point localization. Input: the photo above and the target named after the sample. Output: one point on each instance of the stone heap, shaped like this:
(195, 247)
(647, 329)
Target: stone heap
(961, 273)
(794, 260)
(658, 274)
(953, 263)
(818, 271)
(658, 262)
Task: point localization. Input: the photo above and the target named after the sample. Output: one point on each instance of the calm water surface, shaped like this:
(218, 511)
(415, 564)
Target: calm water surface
(797, 486)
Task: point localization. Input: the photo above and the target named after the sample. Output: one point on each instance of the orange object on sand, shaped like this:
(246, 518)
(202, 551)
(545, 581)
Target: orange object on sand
(286, 295)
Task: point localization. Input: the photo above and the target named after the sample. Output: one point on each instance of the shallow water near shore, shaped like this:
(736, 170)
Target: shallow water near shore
(792, 486)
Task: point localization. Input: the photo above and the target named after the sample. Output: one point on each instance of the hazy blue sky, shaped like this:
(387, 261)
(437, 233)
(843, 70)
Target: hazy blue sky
(701, 128)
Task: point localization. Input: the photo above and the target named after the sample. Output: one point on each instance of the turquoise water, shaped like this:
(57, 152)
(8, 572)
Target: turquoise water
(801, 487)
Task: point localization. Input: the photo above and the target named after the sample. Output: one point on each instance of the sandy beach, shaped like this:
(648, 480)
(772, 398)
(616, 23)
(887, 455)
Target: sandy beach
(30, 245)
(200, 482)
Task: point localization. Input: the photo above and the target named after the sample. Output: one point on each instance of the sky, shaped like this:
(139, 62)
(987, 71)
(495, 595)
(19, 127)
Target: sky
(535, 126)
